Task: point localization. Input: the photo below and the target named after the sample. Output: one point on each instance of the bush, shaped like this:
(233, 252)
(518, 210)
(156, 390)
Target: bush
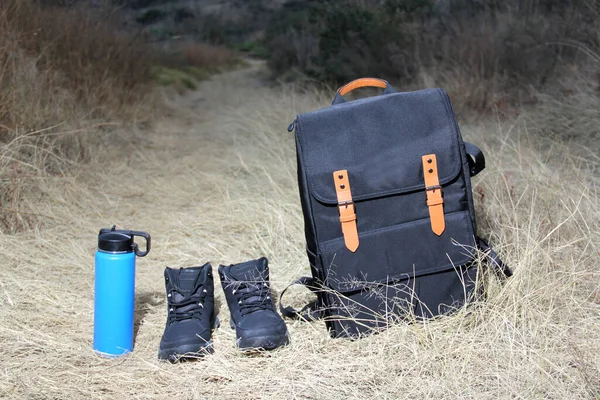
(181, 80)
(486, 52)
(106, 69)
(254, 49)
(337, 41)
(232, 23)
(201, 55)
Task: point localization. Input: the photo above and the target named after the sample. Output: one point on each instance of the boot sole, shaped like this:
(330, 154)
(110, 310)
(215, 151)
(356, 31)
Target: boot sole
(189, 351)
(185, 352)
(262, 342)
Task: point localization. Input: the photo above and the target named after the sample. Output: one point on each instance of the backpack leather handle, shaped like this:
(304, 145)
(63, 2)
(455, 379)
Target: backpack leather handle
(360, 83)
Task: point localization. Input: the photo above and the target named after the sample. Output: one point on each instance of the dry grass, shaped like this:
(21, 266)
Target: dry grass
(106, 69)
(201, 55)
(491, 56)
(63, 74)
(105, 72)
(68, 76)
(222, 188)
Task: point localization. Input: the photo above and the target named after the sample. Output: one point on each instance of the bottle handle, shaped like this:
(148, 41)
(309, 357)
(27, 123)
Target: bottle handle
(136, 249)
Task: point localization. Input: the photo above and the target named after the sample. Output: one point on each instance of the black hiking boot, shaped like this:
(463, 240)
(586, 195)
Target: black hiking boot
(253, 315)
(191, 314)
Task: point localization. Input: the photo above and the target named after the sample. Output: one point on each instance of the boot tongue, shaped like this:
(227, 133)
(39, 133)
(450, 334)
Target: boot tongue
(251, 271)
(187, 279)
(251, 277)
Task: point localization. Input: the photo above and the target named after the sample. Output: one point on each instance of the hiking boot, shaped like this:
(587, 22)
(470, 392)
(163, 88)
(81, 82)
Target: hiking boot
(253, 315)
(191, 314)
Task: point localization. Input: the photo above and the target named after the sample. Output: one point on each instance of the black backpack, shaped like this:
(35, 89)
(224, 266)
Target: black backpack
(385, 187)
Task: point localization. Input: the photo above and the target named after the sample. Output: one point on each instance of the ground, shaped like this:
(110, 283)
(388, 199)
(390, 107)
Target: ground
(215, 181)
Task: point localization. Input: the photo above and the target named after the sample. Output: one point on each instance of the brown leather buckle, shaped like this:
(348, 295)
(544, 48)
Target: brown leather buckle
(346, 209)
(435, 201)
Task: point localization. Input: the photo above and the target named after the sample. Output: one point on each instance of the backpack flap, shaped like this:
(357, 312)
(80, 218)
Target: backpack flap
(380, 141)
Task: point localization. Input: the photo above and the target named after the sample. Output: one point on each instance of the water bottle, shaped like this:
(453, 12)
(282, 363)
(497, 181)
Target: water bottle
(114, 290)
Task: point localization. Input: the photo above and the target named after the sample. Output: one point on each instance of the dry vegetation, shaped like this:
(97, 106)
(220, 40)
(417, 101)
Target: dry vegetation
(489, 55)
(63, 73)
(215, 181)
(222, 188)
(105, 72)
(68, 78)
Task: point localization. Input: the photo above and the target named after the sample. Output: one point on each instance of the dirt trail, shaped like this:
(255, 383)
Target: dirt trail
(215, 181)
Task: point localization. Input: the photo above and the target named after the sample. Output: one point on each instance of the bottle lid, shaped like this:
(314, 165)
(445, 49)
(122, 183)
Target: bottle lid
(115, 242)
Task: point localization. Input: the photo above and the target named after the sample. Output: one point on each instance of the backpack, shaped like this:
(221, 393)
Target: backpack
(385, 188)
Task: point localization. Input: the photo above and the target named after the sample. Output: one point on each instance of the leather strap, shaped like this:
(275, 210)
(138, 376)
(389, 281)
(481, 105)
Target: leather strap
(476, 158)
(362, 82)
(435, 202)
(346, 209)
(310, 312)
(359, 83)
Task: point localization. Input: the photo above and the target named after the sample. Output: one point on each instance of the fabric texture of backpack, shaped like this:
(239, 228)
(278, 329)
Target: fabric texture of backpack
(385, 188)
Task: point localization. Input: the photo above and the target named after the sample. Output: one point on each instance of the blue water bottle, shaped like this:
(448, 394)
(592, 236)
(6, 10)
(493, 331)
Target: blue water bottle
(114, 290)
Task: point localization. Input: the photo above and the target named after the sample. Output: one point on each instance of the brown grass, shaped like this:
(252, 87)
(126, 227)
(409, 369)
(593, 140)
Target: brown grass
(106, 70)
(492, 57)
(500, 63)
(221, 187)
(201, 55)
(217, 182)
(62, 74)
(69, 76)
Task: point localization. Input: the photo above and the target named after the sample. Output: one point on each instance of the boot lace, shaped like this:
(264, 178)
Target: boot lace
(187, 307)
(253, 297)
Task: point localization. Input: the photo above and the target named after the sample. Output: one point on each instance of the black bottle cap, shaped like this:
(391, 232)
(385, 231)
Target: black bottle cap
(115, 242)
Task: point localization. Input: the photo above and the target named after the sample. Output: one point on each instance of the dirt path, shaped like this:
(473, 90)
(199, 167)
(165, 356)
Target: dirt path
(216, 182)
(213, 182)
